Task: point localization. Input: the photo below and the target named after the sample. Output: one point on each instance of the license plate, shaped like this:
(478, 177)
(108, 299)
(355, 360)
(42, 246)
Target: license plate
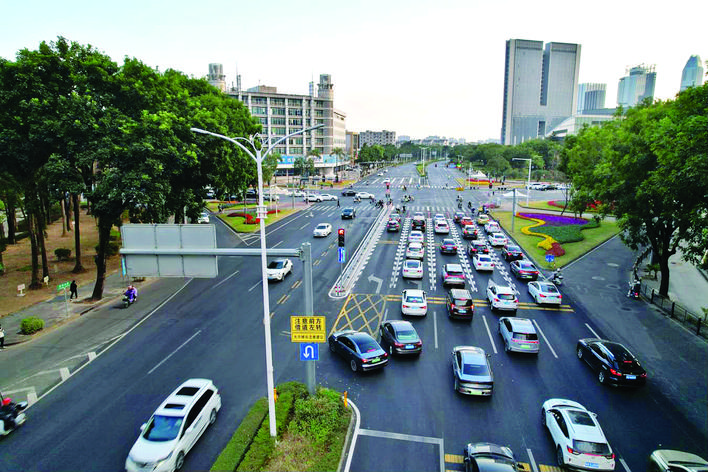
(631, 377)
(410, 346)
(525, 346)
(462, 311)
(375, 360)
(593, 465)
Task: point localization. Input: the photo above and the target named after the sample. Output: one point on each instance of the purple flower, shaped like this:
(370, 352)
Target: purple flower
(556, 220)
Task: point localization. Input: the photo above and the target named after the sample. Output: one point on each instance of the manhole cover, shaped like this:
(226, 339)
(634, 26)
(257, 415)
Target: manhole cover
(597, 277)
(612, 264)
(612, 286)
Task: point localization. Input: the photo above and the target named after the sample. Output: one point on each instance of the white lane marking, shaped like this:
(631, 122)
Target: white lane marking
(64, 372)
(305, 225)
(120, 337)
(257, 283)
(491, 340)
(538, 328)
(227, 278)
(435, 328)
(624, 464)
(277, 244)
(400, 436)
(385, 316)
(357, 423)
(532, 461)
(173, 352)
(592, 330)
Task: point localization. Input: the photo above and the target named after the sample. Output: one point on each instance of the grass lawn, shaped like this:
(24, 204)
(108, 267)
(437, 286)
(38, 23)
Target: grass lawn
(421, 169)
(238, 223)
(593, 238)
(543, 205)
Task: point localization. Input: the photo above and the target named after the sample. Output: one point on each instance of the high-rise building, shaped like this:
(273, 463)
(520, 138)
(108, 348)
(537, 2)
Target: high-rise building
(637, 86)
(216, 76)
(540, 87)
(377, 137)
(692, 75)
(591, 97)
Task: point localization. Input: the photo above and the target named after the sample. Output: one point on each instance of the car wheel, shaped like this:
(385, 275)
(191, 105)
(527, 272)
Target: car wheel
(331, 347)
(457, 385)
(352, 364)
(559, 456)
(580, 353)
(212, 416)
(601, 377)
(543, 417)
(506, 346)
(179, 462)
(390, 349)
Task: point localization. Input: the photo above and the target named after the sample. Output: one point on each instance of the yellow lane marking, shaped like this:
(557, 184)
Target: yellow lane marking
(454, 458)
(360, 312)
(323, 254)
(296, 284)
(272, 314)
(317, 262)
(549, 468)
(283, 298)
(525, 466)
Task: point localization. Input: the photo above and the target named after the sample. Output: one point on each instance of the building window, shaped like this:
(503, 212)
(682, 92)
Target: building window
(319, 113)
(294, 112)
(292, 141)
(277, 111)
(263, 120)
(541, 128)
(295, 121)
(277, 121)
(319, 141)
(280, 150)
(296, 150)
(294, 103)
(278, 131)
(259, 111)
(277, 101)
(259, 101)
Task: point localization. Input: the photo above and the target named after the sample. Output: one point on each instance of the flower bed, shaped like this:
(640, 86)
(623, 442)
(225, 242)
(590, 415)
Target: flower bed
(250, 219)
(555, 230)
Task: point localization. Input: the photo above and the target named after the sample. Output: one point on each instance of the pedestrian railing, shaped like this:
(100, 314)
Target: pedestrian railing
(676, 311)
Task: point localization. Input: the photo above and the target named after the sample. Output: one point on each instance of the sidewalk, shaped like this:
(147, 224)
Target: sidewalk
(56, 311)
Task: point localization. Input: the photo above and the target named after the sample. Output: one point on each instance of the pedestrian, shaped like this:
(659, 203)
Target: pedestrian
(337, 203)
(73, 290)
(2, 338)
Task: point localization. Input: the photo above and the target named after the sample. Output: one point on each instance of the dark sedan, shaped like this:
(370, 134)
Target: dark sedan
(523, 269)
(348, 192)
(448, 246)
(361, 350)
(612, 361)
(512, 252)
(469, 232)
(488, 457)
(477, 246)
(348, 213)
(393, 226)
(400, 337)
(457, 217)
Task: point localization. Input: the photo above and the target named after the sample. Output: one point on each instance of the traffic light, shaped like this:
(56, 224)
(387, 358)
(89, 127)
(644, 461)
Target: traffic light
(340, 234)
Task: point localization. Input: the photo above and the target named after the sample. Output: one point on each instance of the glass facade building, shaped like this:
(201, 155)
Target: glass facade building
(591, 97)
(692, 75)
(637, 86)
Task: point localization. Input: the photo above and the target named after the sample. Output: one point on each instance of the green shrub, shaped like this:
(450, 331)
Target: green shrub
(31, 325)
(236, 449)
(115, 235)
(62, 254)
(112, 249)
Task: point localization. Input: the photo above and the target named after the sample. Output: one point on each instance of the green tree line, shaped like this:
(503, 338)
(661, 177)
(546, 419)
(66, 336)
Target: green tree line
(75, 123)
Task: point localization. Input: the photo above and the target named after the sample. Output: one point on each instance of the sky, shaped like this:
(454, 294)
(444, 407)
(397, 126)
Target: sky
(419, 68)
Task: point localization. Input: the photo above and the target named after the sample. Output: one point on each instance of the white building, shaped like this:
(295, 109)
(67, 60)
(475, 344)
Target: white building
(381, 138)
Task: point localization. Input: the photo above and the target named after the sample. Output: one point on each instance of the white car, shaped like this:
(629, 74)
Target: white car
(299, 193)
(203, 217)
(322, 230)
(518, 334)
(387, 181)
(175, 427)
(441, 227)
(544, 293)
(313, 197)
(365, 195)
(279, 268)
(492, 227)
(414, 303)
(271, 197)
(482, 262)
(415, 251)
(416, 237)
(327, 197)
(412, 269)
(501, 297)
(438, 216)
(497, 239)
(579, 439)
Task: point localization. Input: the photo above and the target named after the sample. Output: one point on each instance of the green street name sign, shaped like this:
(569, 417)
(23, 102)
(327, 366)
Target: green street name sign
(63, 286)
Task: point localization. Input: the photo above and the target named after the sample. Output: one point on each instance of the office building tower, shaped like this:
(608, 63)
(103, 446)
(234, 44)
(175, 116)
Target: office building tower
(692, 75)
(591, 97)
(540, 88)
(216, 76)
(637, 86)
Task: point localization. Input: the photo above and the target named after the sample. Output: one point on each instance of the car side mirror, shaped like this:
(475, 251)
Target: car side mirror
(143, 426)
(489, 355)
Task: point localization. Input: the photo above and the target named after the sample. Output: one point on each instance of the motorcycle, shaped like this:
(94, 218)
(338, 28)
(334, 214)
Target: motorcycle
(634, 289)
(127, 301)
(11, 415)
(557, 277)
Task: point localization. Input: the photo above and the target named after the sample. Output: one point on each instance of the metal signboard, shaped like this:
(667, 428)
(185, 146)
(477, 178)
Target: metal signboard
(341, 255)
(307, 329)
(309, 352)
(63, 286)
(550, 258)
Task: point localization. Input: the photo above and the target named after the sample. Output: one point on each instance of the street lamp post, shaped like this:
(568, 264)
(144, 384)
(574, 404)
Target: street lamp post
(261, 214)
(528, 185)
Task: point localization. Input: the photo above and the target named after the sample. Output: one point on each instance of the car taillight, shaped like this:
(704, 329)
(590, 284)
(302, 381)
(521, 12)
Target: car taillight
(496, 299)
(452, 306)
(406, 306)
(610, 456)
(644, 375)
(419, 343)
(541, 295)
(385, 355)
(571, 451)
(614, 372)
(398, 344)
(424, 307)
(365, 361)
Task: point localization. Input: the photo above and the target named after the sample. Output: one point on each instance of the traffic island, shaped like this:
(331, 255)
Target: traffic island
(311, 433)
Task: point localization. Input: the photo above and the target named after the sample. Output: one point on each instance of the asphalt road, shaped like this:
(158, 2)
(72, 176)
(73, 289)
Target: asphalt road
(410, 413)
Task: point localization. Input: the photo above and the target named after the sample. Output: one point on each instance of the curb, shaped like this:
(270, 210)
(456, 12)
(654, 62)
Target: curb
(347, 441)
(351, 441)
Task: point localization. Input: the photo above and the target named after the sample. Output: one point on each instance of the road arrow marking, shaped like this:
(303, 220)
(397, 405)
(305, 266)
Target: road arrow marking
(376, 280)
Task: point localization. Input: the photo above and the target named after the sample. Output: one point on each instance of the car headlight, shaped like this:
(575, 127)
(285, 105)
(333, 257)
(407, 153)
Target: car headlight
(159, 462)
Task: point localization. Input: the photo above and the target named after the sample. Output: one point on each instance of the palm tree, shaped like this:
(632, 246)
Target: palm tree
(339, 154)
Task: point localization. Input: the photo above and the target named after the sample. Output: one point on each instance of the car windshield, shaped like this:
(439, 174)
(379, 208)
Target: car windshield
(162, 428)
(475, 369)
(414, 299)
(513, 248)
(407, 335)
(591, 447)
(526, 266)
(548, 288)
(276, 265)
(506, 296)
(322, 226)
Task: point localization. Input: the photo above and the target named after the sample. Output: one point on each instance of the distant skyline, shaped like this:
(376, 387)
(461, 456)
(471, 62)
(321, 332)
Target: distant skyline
(414, 67)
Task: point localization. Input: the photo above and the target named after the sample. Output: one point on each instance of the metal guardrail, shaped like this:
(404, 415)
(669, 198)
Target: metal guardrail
(676, 311)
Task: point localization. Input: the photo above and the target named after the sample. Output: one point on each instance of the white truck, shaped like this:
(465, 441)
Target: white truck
(501, 297)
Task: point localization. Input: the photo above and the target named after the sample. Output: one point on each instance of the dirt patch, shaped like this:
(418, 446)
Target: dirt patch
(18, 266)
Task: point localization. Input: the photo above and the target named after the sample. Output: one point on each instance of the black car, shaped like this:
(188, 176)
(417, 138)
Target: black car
(469, 232)
(400, 337)
(512, 252)
(393, 226)
(459, 304)
(477, 247)
(612, 361)
(348, 192)
(523, 269)
(348, 213)
(418, 221)
(488, 457)
(448, 246)
(457, 217)
(361, 350)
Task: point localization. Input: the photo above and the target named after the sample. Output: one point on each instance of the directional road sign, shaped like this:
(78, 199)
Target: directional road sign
(309, 352)
(550, 258)
(341, 255)
(63, 286)
(307, 329)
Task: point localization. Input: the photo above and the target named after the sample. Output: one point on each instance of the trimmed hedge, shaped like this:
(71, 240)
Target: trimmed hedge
(63, 254)
(236, 448)
(31, 325)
